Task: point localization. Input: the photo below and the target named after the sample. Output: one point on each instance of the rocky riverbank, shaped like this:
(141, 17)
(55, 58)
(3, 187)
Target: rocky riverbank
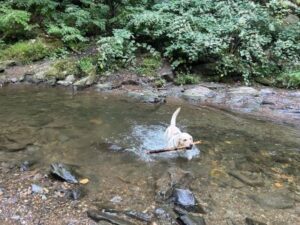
(279, 105)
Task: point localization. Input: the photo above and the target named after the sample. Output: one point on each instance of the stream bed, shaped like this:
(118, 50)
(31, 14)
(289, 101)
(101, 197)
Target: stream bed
(245, 168)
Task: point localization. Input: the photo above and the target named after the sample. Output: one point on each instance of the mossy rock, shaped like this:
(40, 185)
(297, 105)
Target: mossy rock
(63, 68)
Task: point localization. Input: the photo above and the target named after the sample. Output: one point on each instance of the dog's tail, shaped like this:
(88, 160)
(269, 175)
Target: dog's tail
(174, 116)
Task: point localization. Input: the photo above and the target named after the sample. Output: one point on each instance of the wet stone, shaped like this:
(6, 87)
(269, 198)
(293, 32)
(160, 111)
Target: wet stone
(274, 200)
(252, 179)
(75, 194)
(173, 178)
(36, 189)
(25, 166)
(185, 199)
(139, 215)
(250, 221)
(63, 172)
(191, 220)
(198, 94)
(101, 216)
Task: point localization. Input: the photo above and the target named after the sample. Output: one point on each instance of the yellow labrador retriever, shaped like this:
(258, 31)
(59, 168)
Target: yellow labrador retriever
(175, 138)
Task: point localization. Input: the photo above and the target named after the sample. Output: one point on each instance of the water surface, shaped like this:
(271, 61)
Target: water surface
(106, 138)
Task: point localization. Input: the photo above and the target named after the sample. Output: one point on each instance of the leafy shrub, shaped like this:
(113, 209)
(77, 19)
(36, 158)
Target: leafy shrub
(27, 51)
(183, 79)
(118, 49)
(241, 37)
(86, 66)
(289, 80)
(14, 24)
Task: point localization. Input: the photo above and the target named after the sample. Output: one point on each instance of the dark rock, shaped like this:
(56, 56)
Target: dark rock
(97, 216)
(36, 189)
(173, 178)
(139, 215)
(250, 221)
(165, 218)
(166, 71)
(186, 200)
(75, 194)
(191, 220)
(198, 93)
(248, 178)
(2, 69)
(25, 166)
(274, 200)
(63, 172)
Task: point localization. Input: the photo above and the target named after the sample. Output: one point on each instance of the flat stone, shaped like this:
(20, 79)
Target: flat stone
(97, 216)
(250, 221)
(248, 178)
(147, 96)
(244, 91)
(36, 189)
(104, 87)
(199, 93)
(275, 200)
(191, 220)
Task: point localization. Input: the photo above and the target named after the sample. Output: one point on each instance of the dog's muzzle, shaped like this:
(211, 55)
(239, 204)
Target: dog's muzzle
(190, 147)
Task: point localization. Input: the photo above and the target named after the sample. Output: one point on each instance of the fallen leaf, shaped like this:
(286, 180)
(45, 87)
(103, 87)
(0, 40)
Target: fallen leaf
(84, 181)
(278, 185)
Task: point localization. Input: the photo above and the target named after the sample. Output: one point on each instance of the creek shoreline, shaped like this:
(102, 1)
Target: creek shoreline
(262, 102)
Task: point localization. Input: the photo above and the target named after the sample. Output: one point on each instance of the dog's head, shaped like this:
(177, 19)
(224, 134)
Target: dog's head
(185, 140)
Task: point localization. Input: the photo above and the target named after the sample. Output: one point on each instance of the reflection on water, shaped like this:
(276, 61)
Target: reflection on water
(107, 138)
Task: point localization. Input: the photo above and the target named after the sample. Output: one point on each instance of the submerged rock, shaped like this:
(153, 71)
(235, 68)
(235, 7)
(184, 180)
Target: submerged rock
(36, 189)
(104, 87)
(248, 178)
(199, 93)
(147, 96)
(250, 221)
(75, 194)
(97, 216)
(139, 215)
(275, 200)
(186, 200)
(63, 172)
(191, 220)
(173, 178)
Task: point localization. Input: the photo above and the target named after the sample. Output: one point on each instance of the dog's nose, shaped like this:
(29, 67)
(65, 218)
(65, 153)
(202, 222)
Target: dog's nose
(191, 146)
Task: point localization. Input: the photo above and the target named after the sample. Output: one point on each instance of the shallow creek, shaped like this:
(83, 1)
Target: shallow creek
(241, 168)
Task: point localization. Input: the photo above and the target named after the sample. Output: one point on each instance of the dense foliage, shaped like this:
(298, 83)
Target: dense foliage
(250, 39)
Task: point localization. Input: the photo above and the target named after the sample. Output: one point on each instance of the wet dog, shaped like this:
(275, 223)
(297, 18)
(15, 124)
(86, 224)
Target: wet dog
(175, 138)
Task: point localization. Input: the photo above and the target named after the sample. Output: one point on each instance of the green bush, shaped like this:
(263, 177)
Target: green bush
(14, 24)
(87, 66)
(27, 51)
(289, 80)
(116, 50)
(242, 37)
(62, 68)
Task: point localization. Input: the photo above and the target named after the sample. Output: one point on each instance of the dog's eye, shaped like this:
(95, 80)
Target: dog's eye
(184, 139)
